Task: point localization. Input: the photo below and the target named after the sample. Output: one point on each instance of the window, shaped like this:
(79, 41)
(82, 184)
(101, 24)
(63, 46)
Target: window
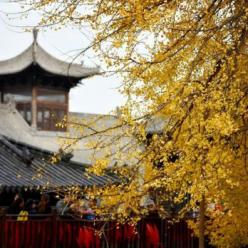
(48, 117)
(51, 109)
(51, 105)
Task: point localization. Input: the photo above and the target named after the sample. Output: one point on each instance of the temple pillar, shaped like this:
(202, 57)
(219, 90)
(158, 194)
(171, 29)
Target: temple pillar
(34, 107)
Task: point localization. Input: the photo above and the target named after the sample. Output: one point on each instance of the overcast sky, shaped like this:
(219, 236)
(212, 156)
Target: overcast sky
(95, 95)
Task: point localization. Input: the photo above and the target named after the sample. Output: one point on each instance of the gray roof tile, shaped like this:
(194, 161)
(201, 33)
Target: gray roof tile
(16, 172)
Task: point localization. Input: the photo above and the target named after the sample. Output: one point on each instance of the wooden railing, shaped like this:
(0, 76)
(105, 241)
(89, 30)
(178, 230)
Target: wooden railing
(52, 231)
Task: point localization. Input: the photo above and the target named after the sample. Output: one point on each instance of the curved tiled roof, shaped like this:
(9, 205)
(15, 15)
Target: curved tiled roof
(23, 165)
(36, 55)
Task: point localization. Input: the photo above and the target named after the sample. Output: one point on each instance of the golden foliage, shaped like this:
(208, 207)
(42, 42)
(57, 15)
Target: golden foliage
(183, 62)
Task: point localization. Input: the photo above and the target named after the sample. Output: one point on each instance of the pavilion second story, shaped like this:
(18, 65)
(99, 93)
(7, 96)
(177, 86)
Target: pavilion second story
(38, 84)
(34, 97)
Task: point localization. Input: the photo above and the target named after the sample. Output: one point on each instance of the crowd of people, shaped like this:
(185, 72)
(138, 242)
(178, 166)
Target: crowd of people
(64, 207)
(31, 206)
(83, 208)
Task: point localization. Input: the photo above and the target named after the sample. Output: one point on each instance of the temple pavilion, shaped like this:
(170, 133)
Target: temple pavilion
(39, 85)
(34, 90)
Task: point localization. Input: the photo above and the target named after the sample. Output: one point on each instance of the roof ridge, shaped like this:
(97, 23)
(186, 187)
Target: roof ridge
(90, 113)
(23, 154)
(36, 54)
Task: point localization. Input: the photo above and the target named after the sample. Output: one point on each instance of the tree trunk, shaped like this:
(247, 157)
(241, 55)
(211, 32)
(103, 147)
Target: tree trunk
(202, 223)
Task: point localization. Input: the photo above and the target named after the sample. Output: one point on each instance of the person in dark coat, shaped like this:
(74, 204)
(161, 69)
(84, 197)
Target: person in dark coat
(17, 205)
(31, 206)
(43, 206)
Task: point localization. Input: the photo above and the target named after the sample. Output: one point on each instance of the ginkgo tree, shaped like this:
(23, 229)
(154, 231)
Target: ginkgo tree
(183, 63)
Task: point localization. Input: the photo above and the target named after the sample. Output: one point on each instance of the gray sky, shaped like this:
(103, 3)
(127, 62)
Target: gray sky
(96, 95)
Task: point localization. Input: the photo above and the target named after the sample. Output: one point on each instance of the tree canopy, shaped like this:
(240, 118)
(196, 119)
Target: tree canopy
(184, 68)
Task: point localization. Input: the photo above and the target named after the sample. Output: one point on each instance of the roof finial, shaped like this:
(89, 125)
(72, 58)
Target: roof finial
(35, 34)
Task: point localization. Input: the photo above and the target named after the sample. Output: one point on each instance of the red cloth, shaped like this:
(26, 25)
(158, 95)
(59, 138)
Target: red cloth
(6, 231)
(69, 234)
(61, 233)
(33, 234)
(43, 235)
(87, 238)
(27, 239)
(84, 238)
(152, 235)
(117, 232)
(17, 230)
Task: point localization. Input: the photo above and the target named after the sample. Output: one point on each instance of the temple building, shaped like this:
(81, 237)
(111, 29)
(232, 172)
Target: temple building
(39, 85)
(34, 89)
